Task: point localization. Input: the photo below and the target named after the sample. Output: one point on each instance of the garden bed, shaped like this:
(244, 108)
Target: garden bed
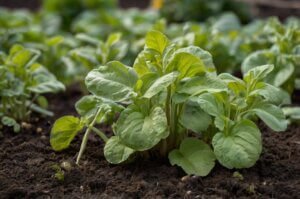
(26, 168)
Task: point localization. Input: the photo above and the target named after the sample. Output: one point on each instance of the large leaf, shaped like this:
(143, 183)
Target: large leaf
(235, 84)
(271, 115)
(190, 61)
(258, 73)
(283, 71)
(113, 81)
(210, 104)
(46, 83)
(241, 148)
(156, 40)
(226, 23)
(141, 131)
(271, 93)
(203, 55)
(258, 58)
(194, 118)
(194, 157)
(89, 105)
(161, 84)
(63, 132)
(19, 56)
(200, 84)
(115, 151)
(141, 63)
(293, 113)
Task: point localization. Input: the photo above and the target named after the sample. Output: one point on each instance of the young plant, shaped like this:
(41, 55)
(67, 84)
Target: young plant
(150, 113)
(23, 81)
(94, 52)
(284, 54)
(235, 138)
(166, 100)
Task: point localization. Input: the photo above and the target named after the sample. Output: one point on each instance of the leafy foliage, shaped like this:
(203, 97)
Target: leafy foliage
(168, 94)
(23, 81)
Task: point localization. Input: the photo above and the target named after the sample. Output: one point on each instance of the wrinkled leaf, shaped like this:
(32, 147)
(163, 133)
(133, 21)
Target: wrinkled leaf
(241, 148)
(194, 157)
(161, 84)
(141, 131)
(115, 151)
(113, 81)
(194, 118)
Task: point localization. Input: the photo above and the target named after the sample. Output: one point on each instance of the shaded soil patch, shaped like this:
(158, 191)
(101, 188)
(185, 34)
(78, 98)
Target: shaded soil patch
(26, 168)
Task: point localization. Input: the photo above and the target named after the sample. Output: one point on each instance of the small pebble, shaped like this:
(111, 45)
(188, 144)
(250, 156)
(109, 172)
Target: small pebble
(66, 165)
(39, 130)
(81, 188)
(43, 137)
(26, 125)
(185, 178)
(189, 192)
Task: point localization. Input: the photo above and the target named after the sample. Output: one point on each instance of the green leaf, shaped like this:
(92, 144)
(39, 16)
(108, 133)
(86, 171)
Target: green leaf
(113, 81)
(85, 55)
(63, 132)
(258, 73)
(194, 157)
(187, 64)
(200, 84)
(161, 84)
(293, 113)
(237, 85)
(141, 131)
(210, 104)
(241, 148)
(156, 40)
(194, 118)
(46, 83)
(53, 41)
(88, 106)
(282, 73)
(88, 39)
(258, 58)
(271, 115)
(19, 56)
(226, 23)
(42, 102)
(115, 151)
(8, 121)
(204, 56)
(141, 63)
(271, 93)
(113, 39)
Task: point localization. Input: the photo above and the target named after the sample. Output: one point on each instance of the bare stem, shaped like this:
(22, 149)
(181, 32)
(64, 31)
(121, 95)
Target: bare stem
(86, 136)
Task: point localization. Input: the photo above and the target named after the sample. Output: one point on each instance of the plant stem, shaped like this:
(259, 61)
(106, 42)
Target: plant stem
(86, 136)
(100, 133)
(168, 103)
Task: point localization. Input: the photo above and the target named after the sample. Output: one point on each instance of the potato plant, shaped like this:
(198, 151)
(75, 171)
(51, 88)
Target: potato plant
(284, 54)
(172, 103)
(93, 52)
(23, 81)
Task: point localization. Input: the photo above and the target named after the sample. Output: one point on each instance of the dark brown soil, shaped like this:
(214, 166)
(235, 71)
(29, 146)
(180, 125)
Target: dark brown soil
(26, 169)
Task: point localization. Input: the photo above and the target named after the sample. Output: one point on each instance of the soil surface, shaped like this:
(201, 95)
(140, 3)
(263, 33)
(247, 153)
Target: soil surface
(27, 168)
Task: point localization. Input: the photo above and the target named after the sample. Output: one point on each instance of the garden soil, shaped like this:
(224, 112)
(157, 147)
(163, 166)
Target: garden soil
(27, 165)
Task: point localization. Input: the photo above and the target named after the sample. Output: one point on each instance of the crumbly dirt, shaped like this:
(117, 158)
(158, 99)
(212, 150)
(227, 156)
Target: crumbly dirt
(27, 168)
